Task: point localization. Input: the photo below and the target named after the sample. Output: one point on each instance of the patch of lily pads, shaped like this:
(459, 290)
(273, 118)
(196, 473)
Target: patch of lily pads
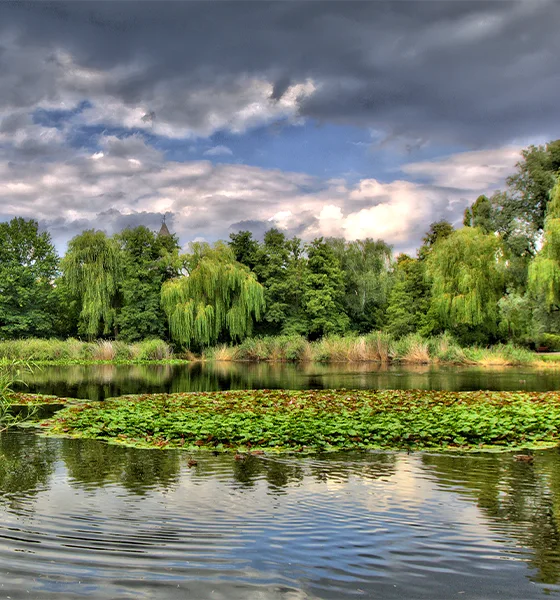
(310, 420)
(24, 399)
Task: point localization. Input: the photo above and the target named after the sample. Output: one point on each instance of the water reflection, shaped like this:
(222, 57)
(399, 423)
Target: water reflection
(81, 519)
(520, 499)
(97, 382)
(26, 464)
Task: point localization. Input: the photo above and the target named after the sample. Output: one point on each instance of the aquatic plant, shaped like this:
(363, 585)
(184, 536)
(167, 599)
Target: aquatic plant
(318, 420)
(9, 376)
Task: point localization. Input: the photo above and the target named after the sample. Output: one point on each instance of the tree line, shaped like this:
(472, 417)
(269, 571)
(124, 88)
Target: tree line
(495, 279)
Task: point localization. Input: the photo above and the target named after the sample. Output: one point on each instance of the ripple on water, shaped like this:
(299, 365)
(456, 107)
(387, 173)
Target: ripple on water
(377, 525)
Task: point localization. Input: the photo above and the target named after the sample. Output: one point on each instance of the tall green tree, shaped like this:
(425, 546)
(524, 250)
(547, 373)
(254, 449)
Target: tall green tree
(480, 215)
(467, 275)
(323, 298)
(92, 270)
(245, 248)
(438, 231)
(146, 262)
(28, 267)
(409, 300)
(544, 270)
(366, 266)
(532, 182)
(218, 299)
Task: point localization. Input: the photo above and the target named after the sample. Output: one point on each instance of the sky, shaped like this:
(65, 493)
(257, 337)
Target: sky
(352, 119)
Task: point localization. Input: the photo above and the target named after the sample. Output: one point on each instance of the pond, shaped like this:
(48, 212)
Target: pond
(82, 519)
(96, 382)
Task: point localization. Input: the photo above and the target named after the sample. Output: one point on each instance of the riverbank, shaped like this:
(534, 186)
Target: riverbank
(377, 347)
(280, 420)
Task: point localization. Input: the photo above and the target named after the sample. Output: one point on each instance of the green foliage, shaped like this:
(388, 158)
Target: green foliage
(153, 349)
(530, 186)
(219, 297)
(146, 262)
(28, 267)
(245, 249)
(318, 420)
(10, 374)
(466, 271)
(544, 270)
(480, 215)
(323, 297)
(438, 231)
(366, 267)
(92, 270)
(516, 312)
(409, 300)
(551, 341)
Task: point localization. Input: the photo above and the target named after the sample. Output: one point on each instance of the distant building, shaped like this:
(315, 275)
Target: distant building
(164, 229)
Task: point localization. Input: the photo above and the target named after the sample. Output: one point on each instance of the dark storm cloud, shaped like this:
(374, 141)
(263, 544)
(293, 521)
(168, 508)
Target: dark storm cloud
(479, 73)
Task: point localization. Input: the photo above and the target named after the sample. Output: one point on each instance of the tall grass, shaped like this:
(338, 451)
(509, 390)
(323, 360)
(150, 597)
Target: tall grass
(377, 347)
(500, 355)
(76, 350)
(413, 348)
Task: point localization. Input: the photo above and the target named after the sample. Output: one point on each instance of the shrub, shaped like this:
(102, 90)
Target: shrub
(153, 349)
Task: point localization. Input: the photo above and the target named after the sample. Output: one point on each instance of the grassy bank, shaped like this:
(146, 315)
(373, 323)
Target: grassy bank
(74, 351)
(374, 347)
(318, 420)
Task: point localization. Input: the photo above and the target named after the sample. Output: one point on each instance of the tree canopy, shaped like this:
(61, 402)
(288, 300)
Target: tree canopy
(218, 299)
(466, 271)
(92, 269)
(28, 268)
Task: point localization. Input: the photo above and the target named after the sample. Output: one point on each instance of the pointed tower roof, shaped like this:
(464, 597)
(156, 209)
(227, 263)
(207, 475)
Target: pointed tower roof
(164, 229)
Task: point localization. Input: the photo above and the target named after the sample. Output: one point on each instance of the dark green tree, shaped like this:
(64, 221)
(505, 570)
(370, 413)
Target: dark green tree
(437, 231)
(409, 300)
(245, 248)
(531, 184)
(323, 297)
(146, 262)
(480, 215)
(28, 267)
(366, 266)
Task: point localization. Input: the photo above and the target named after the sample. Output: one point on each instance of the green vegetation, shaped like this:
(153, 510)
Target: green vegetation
(76, 351)
(9, 375)
(493, 282)
(218, 295)
(374, 347)
(318, 420)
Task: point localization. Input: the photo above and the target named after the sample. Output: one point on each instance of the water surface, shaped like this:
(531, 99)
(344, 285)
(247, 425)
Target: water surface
(97, 382)
(83, 519)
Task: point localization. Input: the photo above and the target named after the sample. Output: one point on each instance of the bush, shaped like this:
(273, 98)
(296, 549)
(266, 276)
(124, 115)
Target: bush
(551, 341)
(153, 349)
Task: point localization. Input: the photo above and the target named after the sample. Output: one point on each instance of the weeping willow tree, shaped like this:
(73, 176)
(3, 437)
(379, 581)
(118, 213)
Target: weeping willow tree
(544, 270)
(466, 271)
(91, 270)
(218, 296)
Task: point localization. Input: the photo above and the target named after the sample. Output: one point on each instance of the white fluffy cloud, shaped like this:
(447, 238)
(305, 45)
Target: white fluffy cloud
(128, 182)
(475, 170)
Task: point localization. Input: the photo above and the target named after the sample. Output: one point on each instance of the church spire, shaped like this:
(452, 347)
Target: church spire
(164, 229)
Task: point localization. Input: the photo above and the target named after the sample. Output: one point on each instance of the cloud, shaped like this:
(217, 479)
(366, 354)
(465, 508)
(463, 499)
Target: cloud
(468, 170)
(128, 182)
(466, 73)
(218, 151)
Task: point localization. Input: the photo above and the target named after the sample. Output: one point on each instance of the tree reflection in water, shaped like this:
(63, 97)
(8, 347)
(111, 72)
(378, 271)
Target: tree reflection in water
(519, 499)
